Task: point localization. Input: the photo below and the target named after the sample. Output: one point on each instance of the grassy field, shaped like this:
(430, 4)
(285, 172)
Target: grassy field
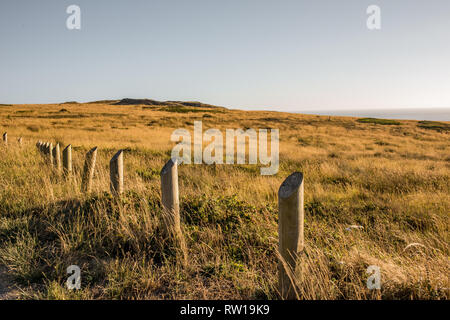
(390, 177)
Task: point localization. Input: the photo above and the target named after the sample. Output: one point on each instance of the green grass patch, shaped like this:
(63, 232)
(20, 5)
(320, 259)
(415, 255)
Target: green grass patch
(379, 121)
(148, 173)
(181, 109)
(434, 125)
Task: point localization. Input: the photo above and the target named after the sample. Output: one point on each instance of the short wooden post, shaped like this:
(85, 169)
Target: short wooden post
(20, 141)
(50, 154)
(5, 138)
(171, 204)
(290, 231)
(46, 146)
(88, 171)
(56, 151)
(67, 160)
(116, 173)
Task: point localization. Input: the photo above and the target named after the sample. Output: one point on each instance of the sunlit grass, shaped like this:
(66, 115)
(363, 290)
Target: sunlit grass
(393, 180)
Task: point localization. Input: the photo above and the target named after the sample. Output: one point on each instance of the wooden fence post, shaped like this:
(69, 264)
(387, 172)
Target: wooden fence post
(20, 141)
(290, 231)
(5, 138)
(88, 171)
(56, 152)
(67, 160)
(171, 204)
(116, 173)
(50, 154)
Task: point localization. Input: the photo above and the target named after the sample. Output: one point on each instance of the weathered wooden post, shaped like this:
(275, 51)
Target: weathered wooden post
(46, 146)
(171, 204)
(5, 138)
(20, 141)
(67, 160)
(88, 171)
(56, 151)
(50, 154)
(290, 231)
(116, 173)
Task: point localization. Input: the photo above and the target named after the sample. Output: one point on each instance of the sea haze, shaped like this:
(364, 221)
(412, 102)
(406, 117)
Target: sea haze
(432, 114)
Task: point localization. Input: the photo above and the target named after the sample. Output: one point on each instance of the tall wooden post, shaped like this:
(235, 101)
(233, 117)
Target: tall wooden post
(88, 170)
(5, 138)
(50, 154)
(67, 160)
(290, 231)
(171, 204)
(116, 173)
(56, 152)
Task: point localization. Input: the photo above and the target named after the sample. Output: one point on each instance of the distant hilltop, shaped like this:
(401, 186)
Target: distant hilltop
(150, 102)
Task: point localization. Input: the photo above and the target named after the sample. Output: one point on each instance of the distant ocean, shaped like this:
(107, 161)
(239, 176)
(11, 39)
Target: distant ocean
(432, 114)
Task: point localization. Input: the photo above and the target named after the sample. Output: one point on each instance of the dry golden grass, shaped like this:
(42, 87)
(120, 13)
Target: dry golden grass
(391, 179)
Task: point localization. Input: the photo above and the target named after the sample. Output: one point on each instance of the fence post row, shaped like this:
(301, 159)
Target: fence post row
(290, 232)
(88, 171)
(116, 173)
(290, 206)
(171, 204)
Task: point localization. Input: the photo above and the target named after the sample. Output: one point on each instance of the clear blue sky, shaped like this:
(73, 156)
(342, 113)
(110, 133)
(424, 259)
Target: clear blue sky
(251, 54)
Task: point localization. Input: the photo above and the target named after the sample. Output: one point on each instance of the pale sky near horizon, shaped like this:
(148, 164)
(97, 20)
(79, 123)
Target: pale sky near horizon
(250, 54)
